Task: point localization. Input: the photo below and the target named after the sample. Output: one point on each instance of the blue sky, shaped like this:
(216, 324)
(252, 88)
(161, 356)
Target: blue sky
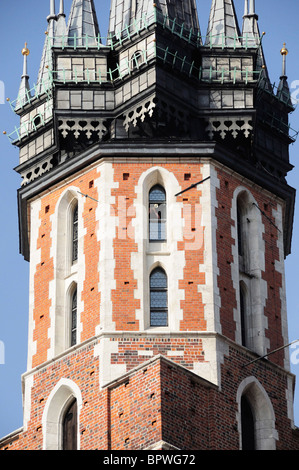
(26, 21)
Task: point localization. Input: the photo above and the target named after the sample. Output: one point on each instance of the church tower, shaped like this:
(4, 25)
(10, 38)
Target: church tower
(156, 216)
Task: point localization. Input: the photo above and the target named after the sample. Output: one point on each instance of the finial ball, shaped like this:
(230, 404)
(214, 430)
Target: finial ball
(284, 50)
(25, 50)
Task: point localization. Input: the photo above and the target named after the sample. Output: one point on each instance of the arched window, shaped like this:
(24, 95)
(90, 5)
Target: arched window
(136, 60)
(75, 234)
(69, 427)
(247, 425)
(158, 298)
(157, 213)
(74, 318)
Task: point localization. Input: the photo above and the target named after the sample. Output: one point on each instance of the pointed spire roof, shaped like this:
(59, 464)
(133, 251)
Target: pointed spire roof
(251, 37)
(61, 29)
(132, 13)
(83, 23)
(250, 30)
(223, 28)
(46, 61)
(24, 90)
(283, 92)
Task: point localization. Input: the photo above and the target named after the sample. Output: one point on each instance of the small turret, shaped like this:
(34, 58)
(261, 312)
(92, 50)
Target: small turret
(24, 91)
(61, 29)
(283, 91)
(83, 25)
(223, 29)
(46, 61)
(137, 13)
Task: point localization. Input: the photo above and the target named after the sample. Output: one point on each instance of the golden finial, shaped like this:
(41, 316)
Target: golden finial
(25, 50)
(284, 50)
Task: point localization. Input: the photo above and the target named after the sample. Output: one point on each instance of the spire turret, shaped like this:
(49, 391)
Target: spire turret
(83, 23)
(283, 91)
(124, 14)
(250, 30)
(24, 90)
(223, 29)
(251, 37)
(46, 61)
(61, 29)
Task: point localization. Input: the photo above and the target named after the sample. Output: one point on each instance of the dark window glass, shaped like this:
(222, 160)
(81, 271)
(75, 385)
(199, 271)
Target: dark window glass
(157, 214)
(158, 298)
(69, 431)
(247, 418)
(75, 235)
(74, 319)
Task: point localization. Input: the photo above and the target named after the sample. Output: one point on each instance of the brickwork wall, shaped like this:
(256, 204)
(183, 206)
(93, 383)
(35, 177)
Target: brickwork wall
(134, 351)
(172, 405)
(45, 271)
(123, 300)
(169, 405)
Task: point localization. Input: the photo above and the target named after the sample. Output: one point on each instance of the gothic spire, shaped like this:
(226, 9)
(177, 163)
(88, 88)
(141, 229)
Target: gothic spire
(251, 37)
(250, 30)
(223, 29)
(283, 91)
(24, 90)
(83, 23)
(133, 12)
(61, 30)
(46, 61)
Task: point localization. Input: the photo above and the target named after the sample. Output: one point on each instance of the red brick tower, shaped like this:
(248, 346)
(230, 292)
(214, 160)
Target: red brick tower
(156, 216)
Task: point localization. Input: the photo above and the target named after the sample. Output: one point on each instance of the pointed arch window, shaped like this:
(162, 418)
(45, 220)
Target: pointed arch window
(74, 317)
(158, 298)
(157, 213)
(75, 234)
(69, 427)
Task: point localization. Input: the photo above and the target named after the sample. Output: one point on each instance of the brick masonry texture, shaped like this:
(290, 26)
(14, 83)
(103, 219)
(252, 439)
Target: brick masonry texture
(172, 405)
(158, 399)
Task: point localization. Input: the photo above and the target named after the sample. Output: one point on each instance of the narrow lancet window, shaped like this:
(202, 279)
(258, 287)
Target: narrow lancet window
(74, 318)
(158, 298)
(157, 214)
(75, 235)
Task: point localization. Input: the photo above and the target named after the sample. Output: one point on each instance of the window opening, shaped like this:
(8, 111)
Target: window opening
(69, 426)
(158, 298)
(75, 235)
(74, 319)
(136, 60)
(157, 214)
(247, 422)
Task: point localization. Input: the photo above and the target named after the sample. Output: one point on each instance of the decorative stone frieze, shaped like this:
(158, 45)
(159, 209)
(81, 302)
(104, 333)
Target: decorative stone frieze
(76, 126)
(229, 125)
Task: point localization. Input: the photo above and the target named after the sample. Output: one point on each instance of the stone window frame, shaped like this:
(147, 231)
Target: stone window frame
(249, 271)
(66, 271)
(266, 434)
(64, 392)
